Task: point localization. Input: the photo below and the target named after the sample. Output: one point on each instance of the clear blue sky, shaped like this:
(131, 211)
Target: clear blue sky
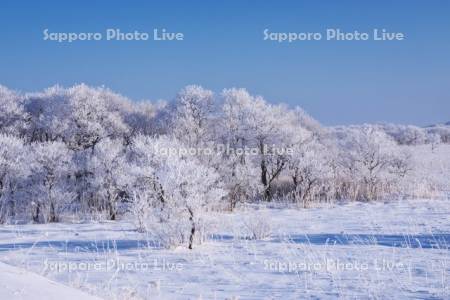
(336, 82)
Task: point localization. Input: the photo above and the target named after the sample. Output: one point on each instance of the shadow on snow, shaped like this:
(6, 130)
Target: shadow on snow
(425, 241)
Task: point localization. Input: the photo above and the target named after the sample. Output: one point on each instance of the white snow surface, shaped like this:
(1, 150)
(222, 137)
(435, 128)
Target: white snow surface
(16, 283)
(392, 250)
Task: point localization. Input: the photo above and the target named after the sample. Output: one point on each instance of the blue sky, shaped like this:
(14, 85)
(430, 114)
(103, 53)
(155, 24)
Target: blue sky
(336, 82)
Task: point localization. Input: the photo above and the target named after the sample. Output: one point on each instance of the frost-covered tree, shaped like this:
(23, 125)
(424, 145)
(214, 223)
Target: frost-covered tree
(14, 169)
(144, 118)
(13, 118)
(181, 189)
(405, 134)
(311, 169)
(50, 183)
(442, 130)
(271, 129)
(110, 175)
(93, 116)
(369, 158)
(190, 189)
(192, 115)
(238, 168)
(50, 115)
(434, 140)
(81, 116)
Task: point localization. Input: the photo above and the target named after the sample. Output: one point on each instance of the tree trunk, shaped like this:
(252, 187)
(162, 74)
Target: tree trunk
(112, 212)
(264, 180)
(52, 217)
(37, 212)
(191, 236)
(111, 206)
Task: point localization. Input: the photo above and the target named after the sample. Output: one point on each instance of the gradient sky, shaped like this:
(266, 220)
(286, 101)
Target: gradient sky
(336, 82)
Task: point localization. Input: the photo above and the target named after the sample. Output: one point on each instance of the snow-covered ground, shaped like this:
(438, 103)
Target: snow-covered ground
(16, 283)
(389, 250)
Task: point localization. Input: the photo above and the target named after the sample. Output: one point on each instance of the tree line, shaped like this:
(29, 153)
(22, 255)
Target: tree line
(88, 150)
